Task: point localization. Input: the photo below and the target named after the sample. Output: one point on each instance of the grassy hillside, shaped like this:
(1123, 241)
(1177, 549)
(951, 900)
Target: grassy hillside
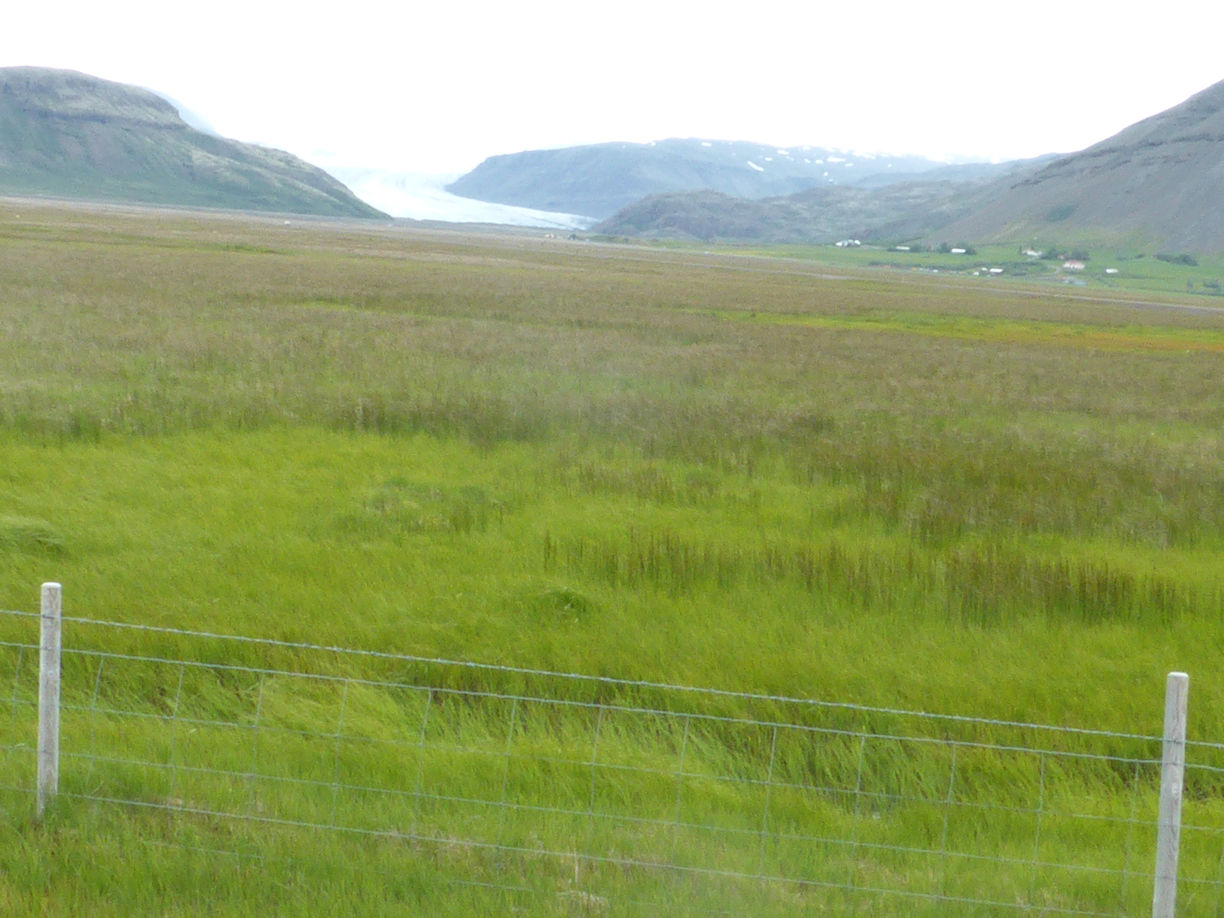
(70, 135)
(752, 474)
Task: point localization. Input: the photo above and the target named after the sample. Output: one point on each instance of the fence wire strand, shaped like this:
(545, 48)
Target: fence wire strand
(580, 677)
(651, 793)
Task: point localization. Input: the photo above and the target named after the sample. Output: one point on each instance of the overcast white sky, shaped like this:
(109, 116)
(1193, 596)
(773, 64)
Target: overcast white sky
(436, 87)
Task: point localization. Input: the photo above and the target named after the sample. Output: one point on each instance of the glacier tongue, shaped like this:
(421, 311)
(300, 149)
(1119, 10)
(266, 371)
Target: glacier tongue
(419, 196)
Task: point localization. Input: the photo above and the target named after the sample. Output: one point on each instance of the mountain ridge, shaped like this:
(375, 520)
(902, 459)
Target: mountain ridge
(598, 180)
(1156, 185)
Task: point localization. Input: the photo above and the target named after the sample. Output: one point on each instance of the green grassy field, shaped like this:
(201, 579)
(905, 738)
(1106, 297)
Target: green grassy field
(1117, 269)
(761, 475)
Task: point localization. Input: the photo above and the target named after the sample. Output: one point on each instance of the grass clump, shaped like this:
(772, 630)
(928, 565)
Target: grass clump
(968, 584)
(404, 507)
(27, 534)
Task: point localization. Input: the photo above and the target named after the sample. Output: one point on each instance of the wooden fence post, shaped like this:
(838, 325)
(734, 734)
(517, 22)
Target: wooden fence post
(49, 695)
(1172, 776)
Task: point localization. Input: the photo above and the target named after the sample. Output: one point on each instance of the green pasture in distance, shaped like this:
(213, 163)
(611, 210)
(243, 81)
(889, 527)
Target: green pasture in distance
(1006, 330)
(1123, 270)
(753, 474)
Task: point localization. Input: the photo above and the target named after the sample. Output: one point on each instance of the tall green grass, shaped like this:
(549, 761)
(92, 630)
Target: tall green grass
(716, 471)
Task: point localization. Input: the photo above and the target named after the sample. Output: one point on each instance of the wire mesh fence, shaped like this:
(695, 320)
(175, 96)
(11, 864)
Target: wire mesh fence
(594, 794)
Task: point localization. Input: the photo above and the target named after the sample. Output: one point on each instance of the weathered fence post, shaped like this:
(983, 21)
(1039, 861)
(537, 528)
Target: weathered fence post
(1172, 775)
(49, 695)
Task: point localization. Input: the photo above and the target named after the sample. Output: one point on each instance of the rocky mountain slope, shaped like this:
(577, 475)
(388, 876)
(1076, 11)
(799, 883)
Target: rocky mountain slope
(1158, 183)
(67, 134)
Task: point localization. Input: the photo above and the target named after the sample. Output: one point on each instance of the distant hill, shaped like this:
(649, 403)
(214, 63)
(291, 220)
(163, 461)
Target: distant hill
(599, 180)
(67, 134)
(1158, 183)
(828, 213)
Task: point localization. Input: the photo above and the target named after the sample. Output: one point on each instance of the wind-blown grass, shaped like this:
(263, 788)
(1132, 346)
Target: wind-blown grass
(709, 471)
